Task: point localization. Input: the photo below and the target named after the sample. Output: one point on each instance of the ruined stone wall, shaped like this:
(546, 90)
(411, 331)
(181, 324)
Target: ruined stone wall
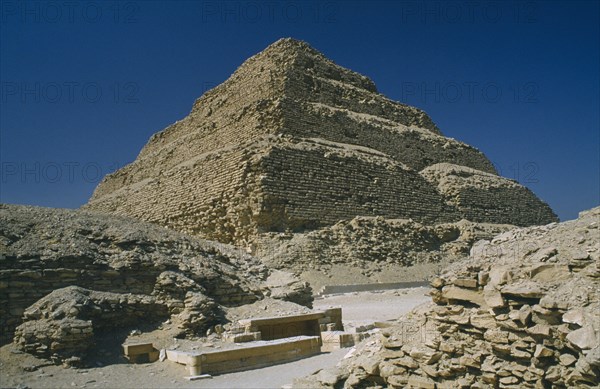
(24, 285)
(307, 185)
(63, 324)
(413, 146)
(365, 240)
(210, 196)
(482, 197)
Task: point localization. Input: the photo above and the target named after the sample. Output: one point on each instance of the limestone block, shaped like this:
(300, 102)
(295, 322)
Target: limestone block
(493, 298)
(137, 348)
(465, 282)
(416, 381)
(574, 316)
(567, 359)
(523, 290)
(584, 338)
(462, 294)
(549, 272)
(542, 352)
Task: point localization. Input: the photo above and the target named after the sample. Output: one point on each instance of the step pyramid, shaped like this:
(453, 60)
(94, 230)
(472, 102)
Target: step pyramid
(293, 142)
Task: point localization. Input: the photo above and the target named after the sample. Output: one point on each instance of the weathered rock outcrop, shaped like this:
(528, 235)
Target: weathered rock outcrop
(293, 142)
(115, 270)
(285, 286)
(522, 312)
(376, 240)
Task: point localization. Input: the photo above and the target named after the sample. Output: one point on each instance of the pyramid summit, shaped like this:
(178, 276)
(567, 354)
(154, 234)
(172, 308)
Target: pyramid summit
(294, 142)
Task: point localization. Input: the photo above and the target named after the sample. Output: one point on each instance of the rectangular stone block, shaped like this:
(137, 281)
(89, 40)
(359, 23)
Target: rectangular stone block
(462, 294)
(141, 353)
(281, 319)
(280, 327)
(137, 348)
(466, 282)
(334, 340)
(183, 357)
(244, 337)
(250, 357)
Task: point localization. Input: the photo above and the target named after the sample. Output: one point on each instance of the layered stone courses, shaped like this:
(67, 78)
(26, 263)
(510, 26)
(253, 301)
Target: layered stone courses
(481, 196)
(292, 141)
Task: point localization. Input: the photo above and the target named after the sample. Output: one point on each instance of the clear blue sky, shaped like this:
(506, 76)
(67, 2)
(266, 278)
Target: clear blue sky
(84, 85)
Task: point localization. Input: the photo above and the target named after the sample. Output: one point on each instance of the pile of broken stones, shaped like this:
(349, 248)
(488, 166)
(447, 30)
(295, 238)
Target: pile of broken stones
(523, 311)
(70, 280)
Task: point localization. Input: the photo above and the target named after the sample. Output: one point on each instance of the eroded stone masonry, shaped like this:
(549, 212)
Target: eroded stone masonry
(68, 277)
(293, 142)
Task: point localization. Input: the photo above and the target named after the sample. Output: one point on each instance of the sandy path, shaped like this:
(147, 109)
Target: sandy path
(367, 307)
(357, 308)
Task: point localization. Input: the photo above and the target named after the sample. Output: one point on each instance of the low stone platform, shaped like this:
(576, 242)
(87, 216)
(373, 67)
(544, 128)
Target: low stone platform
(255, 355)
(140, 352)
(280, 327)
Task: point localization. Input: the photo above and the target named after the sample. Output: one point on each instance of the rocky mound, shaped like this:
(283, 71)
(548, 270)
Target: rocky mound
(63, 324)
(91, 272)
(371, 242)
(522, 312)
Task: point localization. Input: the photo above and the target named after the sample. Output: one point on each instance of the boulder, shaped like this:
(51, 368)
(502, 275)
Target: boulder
(583, 338)
(493, 298)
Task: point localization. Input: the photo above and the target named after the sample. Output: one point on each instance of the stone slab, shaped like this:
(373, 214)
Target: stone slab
(137, 348)
(259, 354)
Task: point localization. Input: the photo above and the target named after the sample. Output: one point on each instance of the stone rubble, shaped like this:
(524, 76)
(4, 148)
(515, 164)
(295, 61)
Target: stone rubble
(523, 311)
(66, 276)
(62, 325)
(374, 240)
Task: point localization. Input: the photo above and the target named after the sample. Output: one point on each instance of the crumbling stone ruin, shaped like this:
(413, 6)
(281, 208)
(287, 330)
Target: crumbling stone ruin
(523, 311)
(292, 142)
(301, 164)
(67, 276)
(374, 239)
(63, 324)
